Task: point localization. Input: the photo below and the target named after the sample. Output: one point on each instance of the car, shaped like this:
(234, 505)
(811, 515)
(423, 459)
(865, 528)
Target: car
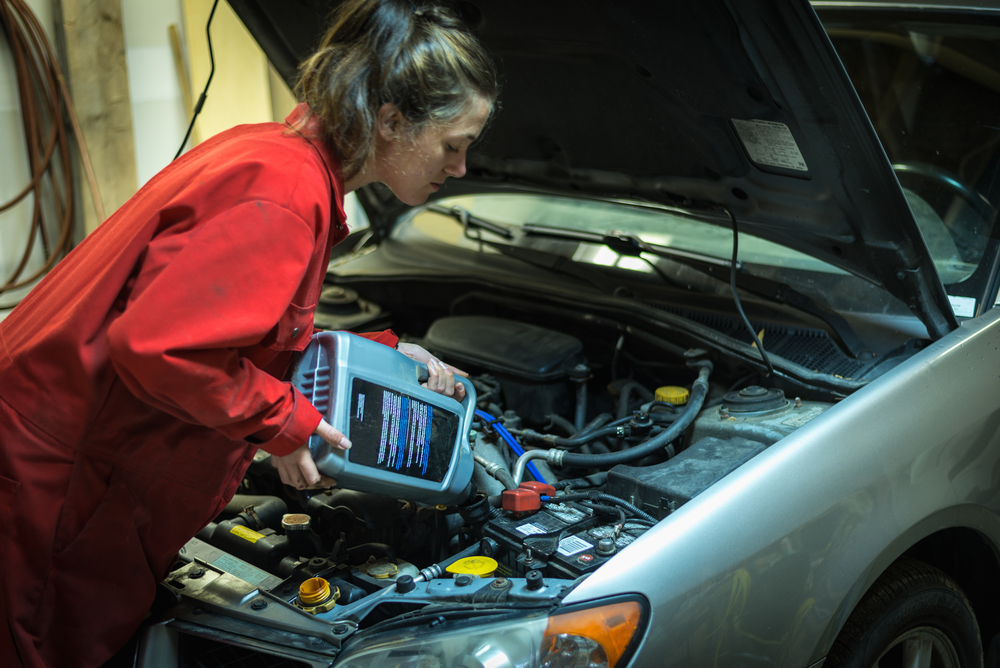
(722, 275)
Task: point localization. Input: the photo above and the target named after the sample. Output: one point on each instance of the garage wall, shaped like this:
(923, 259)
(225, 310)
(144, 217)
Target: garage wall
(14, 171)
(244, 90)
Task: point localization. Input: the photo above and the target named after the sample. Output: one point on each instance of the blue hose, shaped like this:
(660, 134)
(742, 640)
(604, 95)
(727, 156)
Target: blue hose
(509, 439)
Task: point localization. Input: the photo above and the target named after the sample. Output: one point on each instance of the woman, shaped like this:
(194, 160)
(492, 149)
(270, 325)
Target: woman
(140, 377)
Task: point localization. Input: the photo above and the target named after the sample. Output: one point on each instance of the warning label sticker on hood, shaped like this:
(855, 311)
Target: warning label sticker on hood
(770, 143)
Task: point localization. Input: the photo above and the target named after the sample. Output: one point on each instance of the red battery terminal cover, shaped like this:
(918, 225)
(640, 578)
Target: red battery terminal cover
(527, 497)
(540, 488)
(520, 500)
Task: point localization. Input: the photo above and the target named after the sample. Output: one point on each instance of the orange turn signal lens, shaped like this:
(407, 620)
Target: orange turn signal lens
(611, 628)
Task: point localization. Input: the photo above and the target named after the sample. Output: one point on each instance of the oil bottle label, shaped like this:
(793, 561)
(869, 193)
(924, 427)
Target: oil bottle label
(395, 432)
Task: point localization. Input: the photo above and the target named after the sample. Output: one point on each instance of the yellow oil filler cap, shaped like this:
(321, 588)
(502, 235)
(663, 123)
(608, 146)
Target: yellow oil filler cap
(314, 591)
(316, 596)
(481, 566)
(672, 394)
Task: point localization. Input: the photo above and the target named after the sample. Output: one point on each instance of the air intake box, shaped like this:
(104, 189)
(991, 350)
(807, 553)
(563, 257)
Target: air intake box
(530, 362)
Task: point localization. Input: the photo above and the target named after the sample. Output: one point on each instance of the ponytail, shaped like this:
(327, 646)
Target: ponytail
(420, 58)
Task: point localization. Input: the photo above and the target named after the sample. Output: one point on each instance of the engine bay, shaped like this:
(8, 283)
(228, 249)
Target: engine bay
(578, 454)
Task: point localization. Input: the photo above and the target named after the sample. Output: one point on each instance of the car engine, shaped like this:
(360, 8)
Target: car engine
(575, 460)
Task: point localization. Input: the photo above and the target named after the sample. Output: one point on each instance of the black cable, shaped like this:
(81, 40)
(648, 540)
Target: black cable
(659, 442)
(550, 440)
(608, 498)
(595, 480)
(736, 297)
(204, 93)
(614, 357)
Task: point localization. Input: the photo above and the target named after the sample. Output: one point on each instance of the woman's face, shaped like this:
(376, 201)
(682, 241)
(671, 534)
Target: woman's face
(413, 168)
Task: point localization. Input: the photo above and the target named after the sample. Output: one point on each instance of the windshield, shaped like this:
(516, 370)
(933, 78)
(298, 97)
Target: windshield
(680, 246)
(654, 225)
(930, 82)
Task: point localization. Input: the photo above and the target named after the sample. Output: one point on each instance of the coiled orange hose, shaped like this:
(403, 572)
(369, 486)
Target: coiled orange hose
(45, 108)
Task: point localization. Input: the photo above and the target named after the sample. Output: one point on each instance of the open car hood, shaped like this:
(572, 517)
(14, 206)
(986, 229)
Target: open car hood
(741, 104)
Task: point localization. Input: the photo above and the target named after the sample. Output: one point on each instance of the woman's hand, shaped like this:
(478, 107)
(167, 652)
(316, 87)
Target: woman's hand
(440, 376)
(298, 468)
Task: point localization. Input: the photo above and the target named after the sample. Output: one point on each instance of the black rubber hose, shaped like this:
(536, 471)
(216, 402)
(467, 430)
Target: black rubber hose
(568, 427)
(597, 422)
(625, 395)
(550, 440)
(607, 498)
(595, 480)
(661, 440)
(497, 472)
(269, 509)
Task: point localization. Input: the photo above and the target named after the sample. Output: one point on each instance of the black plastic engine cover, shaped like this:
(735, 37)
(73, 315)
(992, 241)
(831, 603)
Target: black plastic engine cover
(516, 349)
(662, 488)
(530, 362)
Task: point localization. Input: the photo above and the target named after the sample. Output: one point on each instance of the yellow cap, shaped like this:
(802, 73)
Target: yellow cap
(382, 570)
(672, 394)
(481, 566)
(313, 591)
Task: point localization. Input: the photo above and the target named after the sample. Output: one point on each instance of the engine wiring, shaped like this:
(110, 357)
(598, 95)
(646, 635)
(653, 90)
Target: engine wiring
(46, 107)
(497, 426)
(736, 296)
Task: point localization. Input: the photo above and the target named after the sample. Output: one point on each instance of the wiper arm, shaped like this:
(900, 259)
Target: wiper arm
(627, 244)
(537, 258)
(468, 220)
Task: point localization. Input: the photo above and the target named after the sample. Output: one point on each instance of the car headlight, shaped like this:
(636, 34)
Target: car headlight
(595, 636)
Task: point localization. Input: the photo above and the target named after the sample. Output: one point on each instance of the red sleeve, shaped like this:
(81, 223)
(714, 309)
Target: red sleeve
(387, 337)
(175, 346)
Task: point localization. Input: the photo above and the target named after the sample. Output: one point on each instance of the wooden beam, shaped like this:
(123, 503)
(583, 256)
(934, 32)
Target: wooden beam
(92, 45)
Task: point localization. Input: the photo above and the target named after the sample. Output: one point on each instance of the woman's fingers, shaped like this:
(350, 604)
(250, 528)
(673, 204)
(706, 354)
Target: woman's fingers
(299, 470)
(332, 436)
(415, 352)
(441, 379)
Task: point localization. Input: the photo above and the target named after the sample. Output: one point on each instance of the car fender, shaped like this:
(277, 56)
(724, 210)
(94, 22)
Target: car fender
(766, 565)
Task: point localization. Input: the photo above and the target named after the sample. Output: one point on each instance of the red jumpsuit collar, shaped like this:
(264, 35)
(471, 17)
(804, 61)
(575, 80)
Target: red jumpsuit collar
(310, 127)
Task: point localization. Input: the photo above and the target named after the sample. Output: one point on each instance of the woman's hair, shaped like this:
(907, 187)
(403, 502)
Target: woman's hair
(421, 58)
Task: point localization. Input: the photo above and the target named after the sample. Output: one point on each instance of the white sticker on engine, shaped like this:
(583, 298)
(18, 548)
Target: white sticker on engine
(572, 544)
(770, 143)
(528, 529)
(565, 512)
(964, 307)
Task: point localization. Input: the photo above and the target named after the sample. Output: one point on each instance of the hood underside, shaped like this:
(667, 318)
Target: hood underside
(740, 104)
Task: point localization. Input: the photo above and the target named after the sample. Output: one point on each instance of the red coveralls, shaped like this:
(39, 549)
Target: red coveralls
(139, 378)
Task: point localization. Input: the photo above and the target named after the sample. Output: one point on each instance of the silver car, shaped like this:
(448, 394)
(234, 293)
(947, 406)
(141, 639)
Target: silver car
(722, 274)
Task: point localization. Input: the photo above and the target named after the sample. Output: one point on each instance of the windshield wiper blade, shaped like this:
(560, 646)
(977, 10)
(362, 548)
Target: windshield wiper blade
(627, 244)
(468, 220)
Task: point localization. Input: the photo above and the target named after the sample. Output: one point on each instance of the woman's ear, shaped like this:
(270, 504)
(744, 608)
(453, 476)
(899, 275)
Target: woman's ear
(391, 122)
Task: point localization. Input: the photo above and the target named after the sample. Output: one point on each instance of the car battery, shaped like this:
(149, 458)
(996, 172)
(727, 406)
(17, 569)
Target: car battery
(563, 540)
